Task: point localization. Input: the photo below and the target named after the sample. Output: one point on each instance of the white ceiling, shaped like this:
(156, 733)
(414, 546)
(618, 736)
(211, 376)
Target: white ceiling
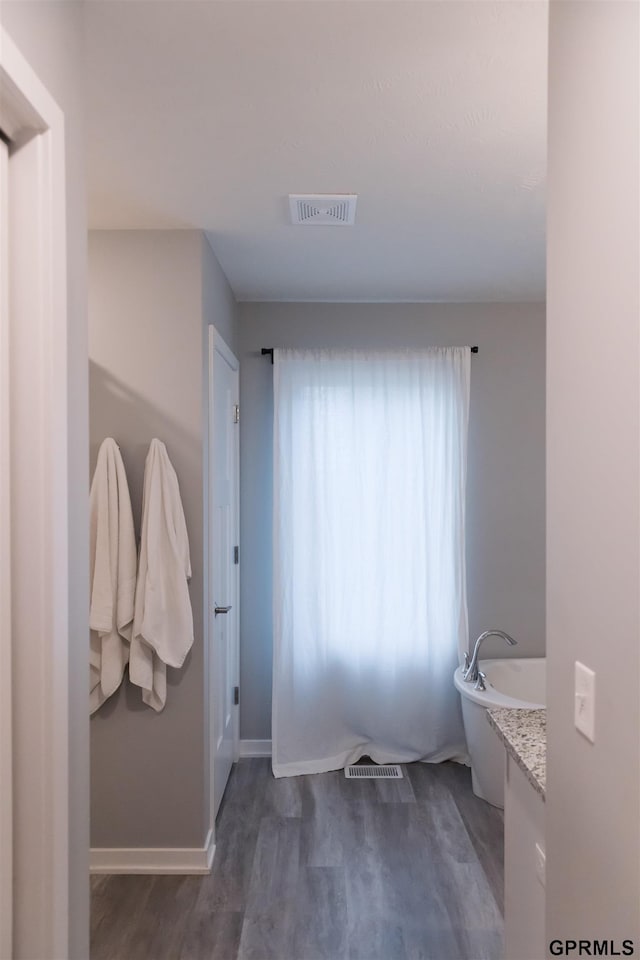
(207, 114)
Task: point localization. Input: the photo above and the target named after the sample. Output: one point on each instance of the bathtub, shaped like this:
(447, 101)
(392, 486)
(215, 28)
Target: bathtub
(514, 683)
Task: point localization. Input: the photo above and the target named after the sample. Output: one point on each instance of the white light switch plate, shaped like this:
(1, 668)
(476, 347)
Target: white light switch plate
(585, 701)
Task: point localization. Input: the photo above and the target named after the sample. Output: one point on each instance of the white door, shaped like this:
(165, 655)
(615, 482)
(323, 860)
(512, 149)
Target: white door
(223, 562)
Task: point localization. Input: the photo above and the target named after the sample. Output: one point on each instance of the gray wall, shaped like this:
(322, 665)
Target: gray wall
(150, 295)
(50, 35)
(506, 469)
(218, 303)
(593, 484)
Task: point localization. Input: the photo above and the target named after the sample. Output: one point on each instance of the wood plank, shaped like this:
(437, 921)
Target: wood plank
(270, 916)
(226, 889)
(211, 935)
(395, 791)
(332, 828)
(321, 911)
(410, 891)
(441, 816)
(484, 824)
(282, 797)
(117, 904)
(160, 927)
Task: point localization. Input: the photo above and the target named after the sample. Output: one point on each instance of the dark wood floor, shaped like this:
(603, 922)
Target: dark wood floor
(324, 868)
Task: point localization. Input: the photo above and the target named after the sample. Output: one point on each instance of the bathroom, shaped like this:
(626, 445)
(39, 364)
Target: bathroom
(150, 260)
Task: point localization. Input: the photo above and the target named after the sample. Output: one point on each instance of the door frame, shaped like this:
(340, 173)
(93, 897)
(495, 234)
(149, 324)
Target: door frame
(6, 752)
(217, 343)
(36, 643)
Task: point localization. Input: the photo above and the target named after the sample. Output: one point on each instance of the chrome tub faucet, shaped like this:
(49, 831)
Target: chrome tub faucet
(471, 673)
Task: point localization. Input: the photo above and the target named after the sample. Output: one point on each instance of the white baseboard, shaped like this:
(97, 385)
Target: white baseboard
(255, 748)
(187, 860)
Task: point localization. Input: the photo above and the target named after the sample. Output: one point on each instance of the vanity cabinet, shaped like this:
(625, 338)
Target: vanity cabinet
(524, 867)
(524, 735)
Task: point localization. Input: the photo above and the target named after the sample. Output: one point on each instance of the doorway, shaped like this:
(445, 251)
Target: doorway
(224, 564)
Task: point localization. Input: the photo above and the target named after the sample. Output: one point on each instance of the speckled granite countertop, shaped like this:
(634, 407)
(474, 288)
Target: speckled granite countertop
(524, 734)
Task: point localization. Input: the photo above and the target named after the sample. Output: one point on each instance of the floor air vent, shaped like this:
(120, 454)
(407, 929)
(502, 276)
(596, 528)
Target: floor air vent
(362, 771)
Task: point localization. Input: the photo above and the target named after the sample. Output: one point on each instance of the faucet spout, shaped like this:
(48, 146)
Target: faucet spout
(471, 672)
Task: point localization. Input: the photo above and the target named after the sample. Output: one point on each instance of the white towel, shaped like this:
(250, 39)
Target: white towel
(163, 621)
(112, 574)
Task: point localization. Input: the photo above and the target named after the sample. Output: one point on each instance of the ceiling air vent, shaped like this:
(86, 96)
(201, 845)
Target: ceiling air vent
(320, 209)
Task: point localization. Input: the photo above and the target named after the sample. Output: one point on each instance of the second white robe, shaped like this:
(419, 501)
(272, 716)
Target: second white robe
(163, 620)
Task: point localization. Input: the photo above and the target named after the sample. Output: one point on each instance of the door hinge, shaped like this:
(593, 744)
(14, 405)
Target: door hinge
(236, 413)
(236, 696)
(236, 554)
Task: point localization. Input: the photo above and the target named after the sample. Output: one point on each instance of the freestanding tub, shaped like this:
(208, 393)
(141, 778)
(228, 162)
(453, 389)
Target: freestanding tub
(516, 684)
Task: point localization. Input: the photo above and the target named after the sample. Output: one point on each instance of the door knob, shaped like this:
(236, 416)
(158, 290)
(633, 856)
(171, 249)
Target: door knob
(218, 610)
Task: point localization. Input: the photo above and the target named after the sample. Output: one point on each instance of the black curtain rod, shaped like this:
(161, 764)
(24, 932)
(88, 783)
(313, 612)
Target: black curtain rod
(268, 351)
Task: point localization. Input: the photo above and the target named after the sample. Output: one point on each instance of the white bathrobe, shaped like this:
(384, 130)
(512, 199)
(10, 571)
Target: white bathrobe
(112, 581)
(163, 620)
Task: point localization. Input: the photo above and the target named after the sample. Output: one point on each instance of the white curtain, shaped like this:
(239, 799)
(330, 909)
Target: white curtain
(370, 611)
